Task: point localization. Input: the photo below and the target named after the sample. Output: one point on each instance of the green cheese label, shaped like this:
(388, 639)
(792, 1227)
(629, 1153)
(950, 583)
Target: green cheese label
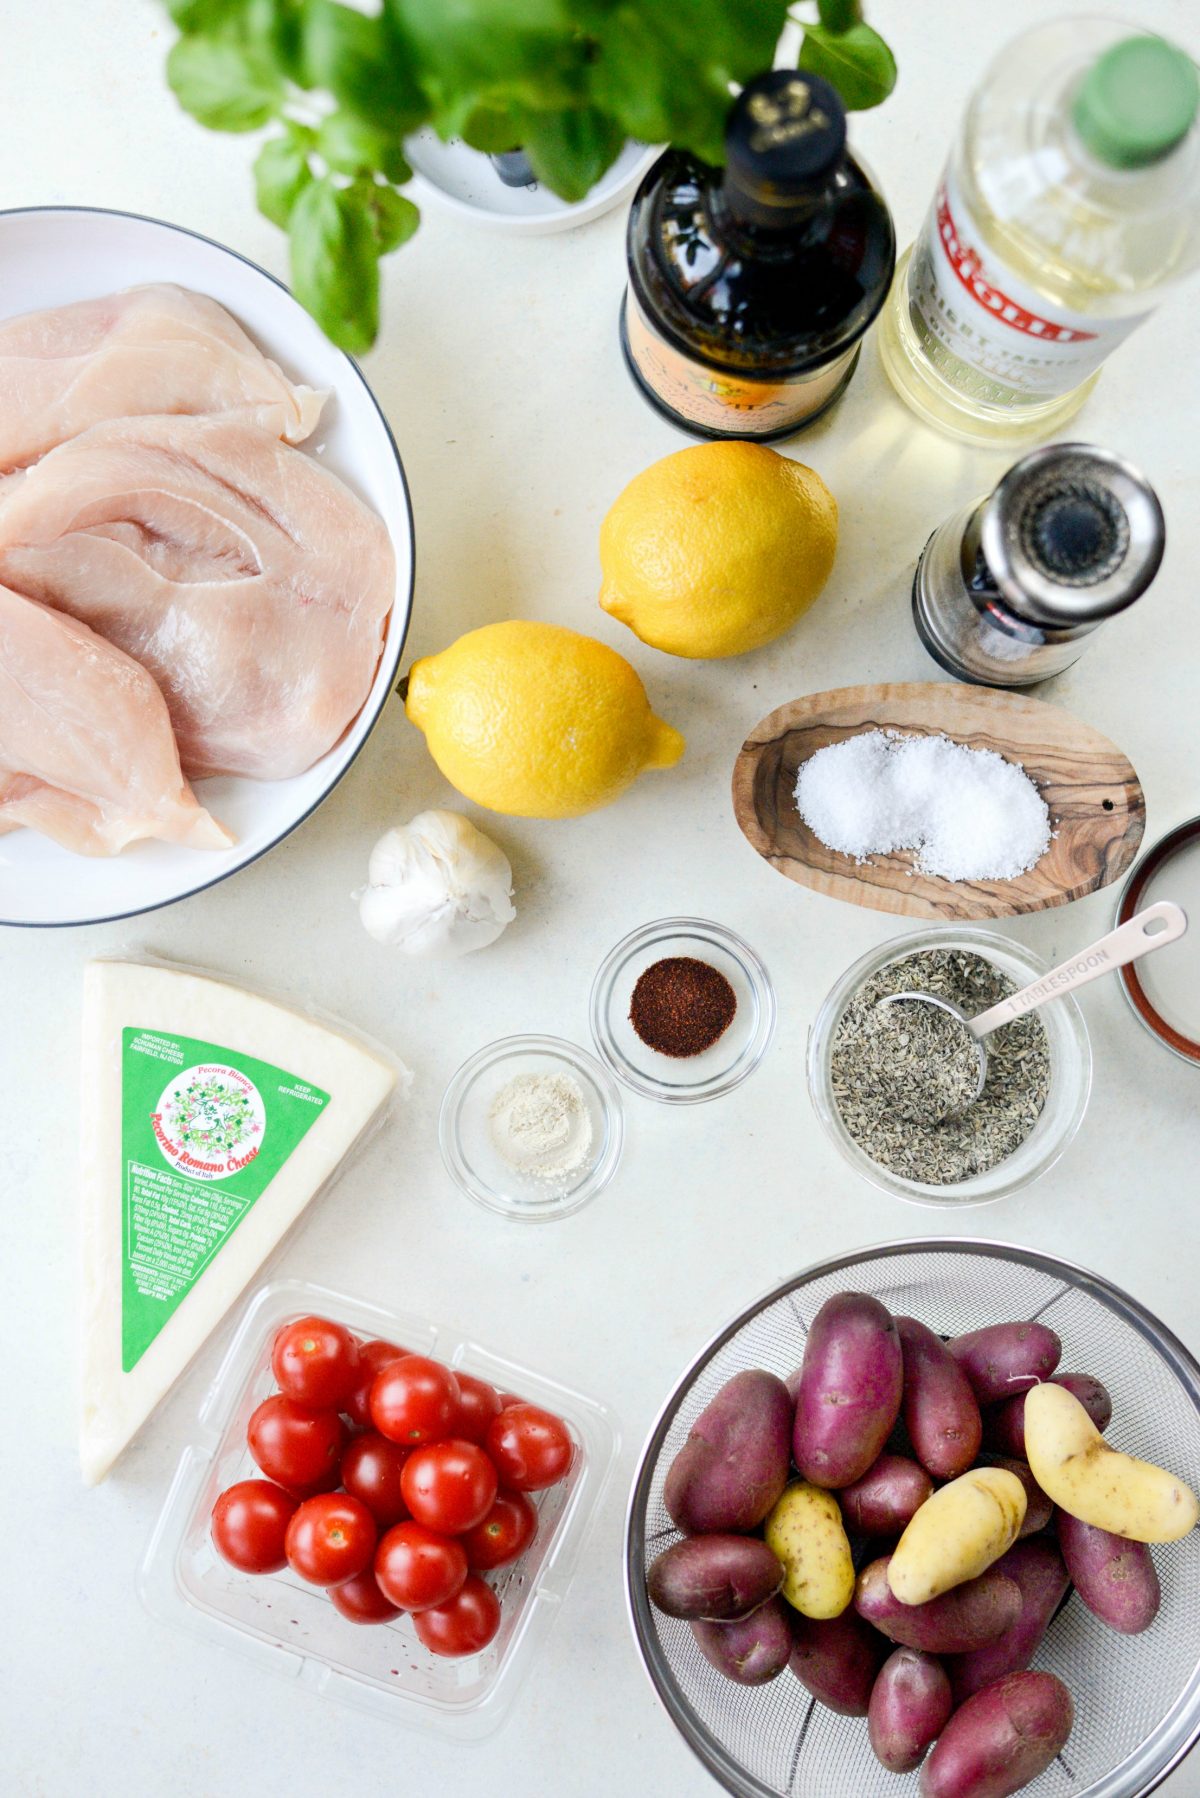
(204, 1131)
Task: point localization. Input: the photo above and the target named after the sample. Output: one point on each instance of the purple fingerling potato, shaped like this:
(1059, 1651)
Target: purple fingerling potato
(1000, 1740)
(889, 1493)
(735, 1463)
(1004, 1427)
(751, 1650)
(1037, 1570)
(1004, 1359)
(910, 1706)
(1038, 1508)
(848, 1395)
(978, 1611)
(1115, 1578)
(837, 1660)
(714, 1577)
(940, 1410)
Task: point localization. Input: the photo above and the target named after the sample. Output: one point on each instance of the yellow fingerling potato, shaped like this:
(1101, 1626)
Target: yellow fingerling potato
(805, 1531)
(957, 1534)
(1077, 1469)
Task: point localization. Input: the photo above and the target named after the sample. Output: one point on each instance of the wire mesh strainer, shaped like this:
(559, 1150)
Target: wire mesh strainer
(1137, 1698)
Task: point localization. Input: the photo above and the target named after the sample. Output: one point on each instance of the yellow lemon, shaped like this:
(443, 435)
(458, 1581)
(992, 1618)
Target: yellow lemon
(717, 549)
(536, 720)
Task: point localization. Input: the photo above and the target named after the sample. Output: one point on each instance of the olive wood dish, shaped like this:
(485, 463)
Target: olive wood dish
(1097, 808)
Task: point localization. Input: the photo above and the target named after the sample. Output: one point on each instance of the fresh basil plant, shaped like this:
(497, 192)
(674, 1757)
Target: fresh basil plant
(569, 81)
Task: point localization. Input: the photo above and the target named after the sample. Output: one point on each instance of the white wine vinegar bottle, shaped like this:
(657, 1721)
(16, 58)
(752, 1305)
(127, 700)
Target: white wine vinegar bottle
(1070, 204)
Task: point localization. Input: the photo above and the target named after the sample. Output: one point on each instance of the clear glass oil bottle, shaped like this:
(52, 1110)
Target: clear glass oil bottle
(1070, 205)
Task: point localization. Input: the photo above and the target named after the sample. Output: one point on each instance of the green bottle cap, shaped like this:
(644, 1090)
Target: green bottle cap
(1137, 101)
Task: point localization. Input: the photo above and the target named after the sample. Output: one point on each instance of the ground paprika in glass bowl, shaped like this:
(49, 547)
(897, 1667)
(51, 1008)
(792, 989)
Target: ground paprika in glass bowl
(696, 1031)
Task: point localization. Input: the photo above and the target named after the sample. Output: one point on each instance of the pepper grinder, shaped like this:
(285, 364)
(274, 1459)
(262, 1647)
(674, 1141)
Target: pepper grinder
(1008, 590)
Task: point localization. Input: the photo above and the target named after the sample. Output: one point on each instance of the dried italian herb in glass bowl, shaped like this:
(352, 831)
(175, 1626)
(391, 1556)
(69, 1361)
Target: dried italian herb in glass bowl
(1039, 1072)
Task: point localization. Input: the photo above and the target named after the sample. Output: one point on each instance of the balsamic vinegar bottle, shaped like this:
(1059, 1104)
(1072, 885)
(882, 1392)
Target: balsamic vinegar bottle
(750, 287)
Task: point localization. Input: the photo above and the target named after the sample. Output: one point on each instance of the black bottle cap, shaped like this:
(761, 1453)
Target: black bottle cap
(786, 132)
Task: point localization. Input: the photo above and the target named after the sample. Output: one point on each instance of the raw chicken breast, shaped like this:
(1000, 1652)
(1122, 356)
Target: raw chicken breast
(150, 349)
(86, 751)
(244, 576)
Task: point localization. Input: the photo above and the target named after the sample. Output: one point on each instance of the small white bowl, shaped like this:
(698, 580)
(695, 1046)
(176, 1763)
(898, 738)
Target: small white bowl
(476, 1165)
(463, 181)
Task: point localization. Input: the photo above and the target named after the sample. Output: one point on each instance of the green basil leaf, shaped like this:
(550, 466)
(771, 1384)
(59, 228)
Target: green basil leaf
(493, 55)
(276, 27)
(570, 151)
(393, 216)
(272, 28)
(839, 15)
(353, 147)
(665, 70)
(857, 62)
(200, 16)
(227, 86)
(281, 173)
(335, 263)
(635, 80)
(492, 132)
(365, 64)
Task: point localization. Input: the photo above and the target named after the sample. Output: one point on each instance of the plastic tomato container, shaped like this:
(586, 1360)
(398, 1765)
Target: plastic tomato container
(284, 1623)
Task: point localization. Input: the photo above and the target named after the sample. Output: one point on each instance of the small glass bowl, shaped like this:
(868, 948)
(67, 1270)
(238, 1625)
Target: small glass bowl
(476, 1165)
(734, 1055)
(1070, 1070)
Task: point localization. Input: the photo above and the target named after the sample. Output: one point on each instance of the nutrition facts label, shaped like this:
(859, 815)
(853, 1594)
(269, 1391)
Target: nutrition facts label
(174, 1228)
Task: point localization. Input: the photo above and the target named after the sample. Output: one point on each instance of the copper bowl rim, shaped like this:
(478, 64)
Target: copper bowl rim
(1135, 886)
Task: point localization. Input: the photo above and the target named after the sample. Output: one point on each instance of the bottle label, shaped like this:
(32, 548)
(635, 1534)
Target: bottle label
(204, 1131)
(964, 299)
(724, 403)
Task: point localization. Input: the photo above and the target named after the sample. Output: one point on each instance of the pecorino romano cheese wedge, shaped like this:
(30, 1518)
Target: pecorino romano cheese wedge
(211, 1116)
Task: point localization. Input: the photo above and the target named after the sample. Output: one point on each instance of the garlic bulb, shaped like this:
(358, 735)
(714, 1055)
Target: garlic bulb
(438, 887)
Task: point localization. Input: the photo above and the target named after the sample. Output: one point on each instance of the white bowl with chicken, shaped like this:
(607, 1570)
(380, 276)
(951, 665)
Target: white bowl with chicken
(206, 564)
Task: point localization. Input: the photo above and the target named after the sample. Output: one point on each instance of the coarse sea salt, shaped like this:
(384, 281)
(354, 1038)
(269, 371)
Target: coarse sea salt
(966, 814)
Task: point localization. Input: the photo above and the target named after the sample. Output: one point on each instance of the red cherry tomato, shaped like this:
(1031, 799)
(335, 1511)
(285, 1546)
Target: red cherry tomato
(372, 1356)
(509, 1398)
(330, 1539)
(449, 1486)
(530, 1447)
(315, 1362)
(465, 1625)
(299, 1448)
(503, 1535)
(478, 1403)
(414, 1400)
(371, 1469)
(249, 1523)
(417, 1568)
(361, 1601)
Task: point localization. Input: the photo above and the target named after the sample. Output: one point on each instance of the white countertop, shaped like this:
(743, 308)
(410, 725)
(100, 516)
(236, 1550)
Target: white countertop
(500, 372)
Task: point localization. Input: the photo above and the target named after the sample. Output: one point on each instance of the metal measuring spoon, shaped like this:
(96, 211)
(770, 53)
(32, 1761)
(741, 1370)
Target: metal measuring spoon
(1148, 930)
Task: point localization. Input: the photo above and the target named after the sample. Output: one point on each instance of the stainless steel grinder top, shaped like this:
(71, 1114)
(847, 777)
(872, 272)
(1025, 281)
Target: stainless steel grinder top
(1071, 535)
